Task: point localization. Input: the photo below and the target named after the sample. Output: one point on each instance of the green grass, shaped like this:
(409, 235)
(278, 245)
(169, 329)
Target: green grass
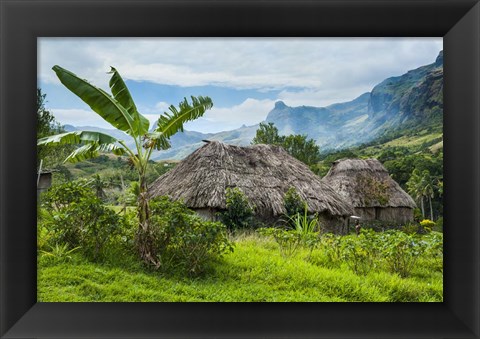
(255, 271)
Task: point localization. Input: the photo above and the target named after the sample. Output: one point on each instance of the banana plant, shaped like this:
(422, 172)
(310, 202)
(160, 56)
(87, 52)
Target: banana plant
(119, 110)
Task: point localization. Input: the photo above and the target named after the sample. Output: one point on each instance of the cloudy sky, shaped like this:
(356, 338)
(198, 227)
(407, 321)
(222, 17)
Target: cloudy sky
(244, 77)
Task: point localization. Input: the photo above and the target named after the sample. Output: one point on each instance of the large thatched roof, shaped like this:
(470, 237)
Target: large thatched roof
(366, 183)
(263, 172)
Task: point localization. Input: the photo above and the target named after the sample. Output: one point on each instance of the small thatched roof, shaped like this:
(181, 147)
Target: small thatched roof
(366, 183)
(262, 172)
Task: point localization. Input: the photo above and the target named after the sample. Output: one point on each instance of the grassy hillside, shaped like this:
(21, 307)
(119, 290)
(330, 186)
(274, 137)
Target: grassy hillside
(255, 271)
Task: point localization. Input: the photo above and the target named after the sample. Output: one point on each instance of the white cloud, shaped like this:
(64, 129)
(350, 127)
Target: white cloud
(259, 63)
(249, 112)
(306, 71)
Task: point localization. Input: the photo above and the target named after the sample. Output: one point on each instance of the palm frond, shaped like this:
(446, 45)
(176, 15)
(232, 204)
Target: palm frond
(122, 95)
(99, 101)
(173, 121)
(160, 142)
(92, 143)
(77, 137)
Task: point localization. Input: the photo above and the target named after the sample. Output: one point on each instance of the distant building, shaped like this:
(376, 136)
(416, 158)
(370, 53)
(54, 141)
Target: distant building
(367, 185)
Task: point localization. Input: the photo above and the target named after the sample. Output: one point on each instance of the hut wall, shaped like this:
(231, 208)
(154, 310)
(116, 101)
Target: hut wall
(367, 213)
(389, 214)
(396, 214)
(333, 224)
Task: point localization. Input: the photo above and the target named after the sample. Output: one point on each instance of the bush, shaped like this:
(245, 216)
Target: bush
(183, 240)
(361, 252)
(401, 251)
(427, 225)
(293, 203)
(73, 216)
(331, 245)
(239, 212)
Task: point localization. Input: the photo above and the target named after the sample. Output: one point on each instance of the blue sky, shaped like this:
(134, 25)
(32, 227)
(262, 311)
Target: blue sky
(243, 76)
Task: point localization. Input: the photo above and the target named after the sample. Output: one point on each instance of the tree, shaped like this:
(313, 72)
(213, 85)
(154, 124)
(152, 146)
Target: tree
(428, 189)
(99, 185)
(296, 145)
(51, 155)
(307, 151)
(267, 133)
(414, 186)
(121, 112)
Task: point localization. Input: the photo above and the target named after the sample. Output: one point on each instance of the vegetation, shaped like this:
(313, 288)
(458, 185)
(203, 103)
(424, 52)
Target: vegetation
(120, 111)
(238, 213)
(255, 272)
(298, 146)
(182, 240)
(402, 152)
(51, 157)
(73, 217)
(91, 231)
(293, 204)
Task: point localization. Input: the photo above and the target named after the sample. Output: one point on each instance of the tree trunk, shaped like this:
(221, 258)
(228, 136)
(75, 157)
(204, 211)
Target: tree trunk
(145, 240)
(431, 208)
(423, 208)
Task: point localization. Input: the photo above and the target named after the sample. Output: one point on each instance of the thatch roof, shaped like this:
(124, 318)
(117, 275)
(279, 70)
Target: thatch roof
(263, 173)
(366, 183)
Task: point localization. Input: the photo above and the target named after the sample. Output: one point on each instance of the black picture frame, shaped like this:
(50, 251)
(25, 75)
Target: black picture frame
(22, 21)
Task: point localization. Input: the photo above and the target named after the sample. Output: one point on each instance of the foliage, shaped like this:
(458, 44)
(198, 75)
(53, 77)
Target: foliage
(59, 253)
(301, 148)
(307, 151)
(434, 248)
(267, 133)
(182, 240)
(293, 203)
(75, 217)
(51, 155)
(254, 272)
(332, 247)
(288, 241)
(360, 252)
(239, 212)
(427, 225)
(119, 110)
(305, 234)
(401, 251)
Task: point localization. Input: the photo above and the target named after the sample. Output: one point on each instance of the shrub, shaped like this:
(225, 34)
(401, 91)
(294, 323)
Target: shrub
(331, 245)
(293, 203)
(239, 212)
(411, 228)
(427, 225)
(184, 241)
(401, 251)
(74, 216)
(360, 252)
(62, 195)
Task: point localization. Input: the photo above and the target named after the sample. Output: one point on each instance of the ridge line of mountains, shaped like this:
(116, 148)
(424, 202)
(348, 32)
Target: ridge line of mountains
(397, 104)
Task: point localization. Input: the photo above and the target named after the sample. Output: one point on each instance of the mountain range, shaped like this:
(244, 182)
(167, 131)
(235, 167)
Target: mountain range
(409, 101)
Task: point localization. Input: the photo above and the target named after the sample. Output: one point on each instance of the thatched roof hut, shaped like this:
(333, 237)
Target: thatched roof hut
(367, 185)
(262, 172)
